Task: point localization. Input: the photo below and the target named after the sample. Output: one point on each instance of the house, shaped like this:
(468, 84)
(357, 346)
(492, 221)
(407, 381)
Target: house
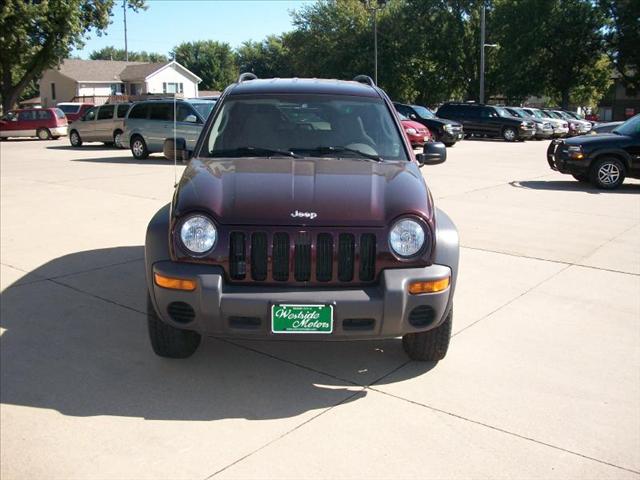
(97, 81)
(620, 102)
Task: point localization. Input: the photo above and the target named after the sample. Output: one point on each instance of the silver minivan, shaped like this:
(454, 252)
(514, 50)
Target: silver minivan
(148, 123)
(100, 124)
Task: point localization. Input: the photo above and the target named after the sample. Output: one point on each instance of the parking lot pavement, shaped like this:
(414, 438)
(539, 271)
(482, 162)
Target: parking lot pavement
(541, 380)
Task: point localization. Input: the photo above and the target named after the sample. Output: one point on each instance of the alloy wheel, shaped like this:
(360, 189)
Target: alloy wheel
(608, 173)
(138, 148)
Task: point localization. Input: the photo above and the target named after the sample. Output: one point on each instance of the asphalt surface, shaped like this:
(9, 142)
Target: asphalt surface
(542, 379)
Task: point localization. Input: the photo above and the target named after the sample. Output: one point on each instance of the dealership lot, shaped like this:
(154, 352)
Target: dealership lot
(541, 380)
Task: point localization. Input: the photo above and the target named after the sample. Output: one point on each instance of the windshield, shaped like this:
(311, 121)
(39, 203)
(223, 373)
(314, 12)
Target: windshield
(574, 115)
(304, 124)
(423, 112)
(516, 113)
(503, 112)
(204, 108)
(564, 115)
(630, 127)
(554, 115)
(69, 108)
(537, 113)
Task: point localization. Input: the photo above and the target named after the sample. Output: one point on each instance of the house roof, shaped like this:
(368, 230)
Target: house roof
(94, 70)
(140, 71)
(114, 70)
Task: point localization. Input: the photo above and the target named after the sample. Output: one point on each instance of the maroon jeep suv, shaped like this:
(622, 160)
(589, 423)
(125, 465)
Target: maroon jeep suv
(302, 214)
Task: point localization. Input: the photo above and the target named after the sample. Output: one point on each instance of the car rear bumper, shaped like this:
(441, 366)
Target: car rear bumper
(59, 131)
(379, 311)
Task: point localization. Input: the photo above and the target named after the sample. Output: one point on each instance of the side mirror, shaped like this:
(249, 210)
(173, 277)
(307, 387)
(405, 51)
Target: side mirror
(176, 149)
(191, 119)
(433, 154)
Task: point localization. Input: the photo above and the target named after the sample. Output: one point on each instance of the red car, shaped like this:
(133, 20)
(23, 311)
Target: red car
(416, 132)
(44, 123)
(74, 110)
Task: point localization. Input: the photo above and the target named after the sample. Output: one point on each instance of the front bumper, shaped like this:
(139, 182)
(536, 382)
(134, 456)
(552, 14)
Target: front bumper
(526, 133)
(451, 136)
(59, 131)
(559, 160)
(378, 311)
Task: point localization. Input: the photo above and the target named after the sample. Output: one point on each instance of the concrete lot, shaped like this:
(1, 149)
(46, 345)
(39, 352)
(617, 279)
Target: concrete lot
(542, 379)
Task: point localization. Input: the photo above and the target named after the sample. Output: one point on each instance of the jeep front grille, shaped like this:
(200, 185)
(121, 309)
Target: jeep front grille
(302, 256)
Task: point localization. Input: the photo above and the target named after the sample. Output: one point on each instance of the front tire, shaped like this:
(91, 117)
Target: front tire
(74, 139)
(607, 173)
(43, 134)
(429, 346)
(168, 341)
(139, 148)
(509, 134)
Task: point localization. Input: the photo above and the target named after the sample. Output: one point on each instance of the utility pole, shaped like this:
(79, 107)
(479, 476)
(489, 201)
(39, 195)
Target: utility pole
(126, 47)
(482, 26)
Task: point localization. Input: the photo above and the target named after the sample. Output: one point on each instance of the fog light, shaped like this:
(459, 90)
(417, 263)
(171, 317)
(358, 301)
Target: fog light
(174, 283)
(432, 286)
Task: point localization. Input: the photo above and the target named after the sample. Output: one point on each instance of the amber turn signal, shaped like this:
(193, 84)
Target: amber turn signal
(431, 286)
(174, 283)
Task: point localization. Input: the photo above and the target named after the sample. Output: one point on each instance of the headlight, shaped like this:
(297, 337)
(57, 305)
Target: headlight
(575, 152)
(407, 237)
(198, 234)
(411, 131)
(448, 127)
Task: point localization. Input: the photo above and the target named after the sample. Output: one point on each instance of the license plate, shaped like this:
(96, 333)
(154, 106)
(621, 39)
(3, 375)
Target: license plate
(287, 318)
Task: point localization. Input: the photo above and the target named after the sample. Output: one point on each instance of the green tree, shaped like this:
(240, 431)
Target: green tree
(268, 58)
(212, 61)
(622, 37)
(36, 35)
(113, 53)
(331, 38)
(553, 47)
(429, 50)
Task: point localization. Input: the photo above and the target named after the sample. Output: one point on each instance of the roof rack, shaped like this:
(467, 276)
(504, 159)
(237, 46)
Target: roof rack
(366, 79)
(247, 76)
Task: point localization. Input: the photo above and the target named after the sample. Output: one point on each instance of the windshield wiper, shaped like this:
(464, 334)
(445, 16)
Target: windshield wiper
(250, 151)
(352, 151)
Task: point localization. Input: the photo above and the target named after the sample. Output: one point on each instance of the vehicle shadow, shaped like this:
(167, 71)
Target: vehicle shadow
(78, 344)
(124, 155)
(574, 186)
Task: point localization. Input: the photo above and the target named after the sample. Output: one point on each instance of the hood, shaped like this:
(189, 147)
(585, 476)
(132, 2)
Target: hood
(598, 140)
(412, 124)
(302, 192)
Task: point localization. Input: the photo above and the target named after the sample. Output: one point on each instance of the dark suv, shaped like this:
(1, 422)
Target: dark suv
(488, 121)
(604, 159)
(443, 130)
(302, 215)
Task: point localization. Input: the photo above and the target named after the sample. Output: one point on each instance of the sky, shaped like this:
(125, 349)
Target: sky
(166, 23)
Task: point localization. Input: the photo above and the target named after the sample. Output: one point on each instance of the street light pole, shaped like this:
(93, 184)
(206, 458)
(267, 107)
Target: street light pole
(482, 27)
(373, 6)
(375, 45)
(126, 47)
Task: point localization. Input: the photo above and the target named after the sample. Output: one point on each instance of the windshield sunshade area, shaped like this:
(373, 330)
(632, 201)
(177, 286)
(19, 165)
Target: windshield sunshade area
(298, 125)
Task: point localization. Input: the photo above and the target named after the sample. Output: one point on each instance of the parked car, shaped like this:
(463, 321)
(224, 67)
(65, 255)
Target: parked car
(605, 127)
(74, 110)
(576, 127)
(302, 215)
(100, 124)
(488, 121)
(544, 129)
(44, 123)
(560, 126)
(442, 129)
(416, 132)
(604, 160)
(148, 123)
